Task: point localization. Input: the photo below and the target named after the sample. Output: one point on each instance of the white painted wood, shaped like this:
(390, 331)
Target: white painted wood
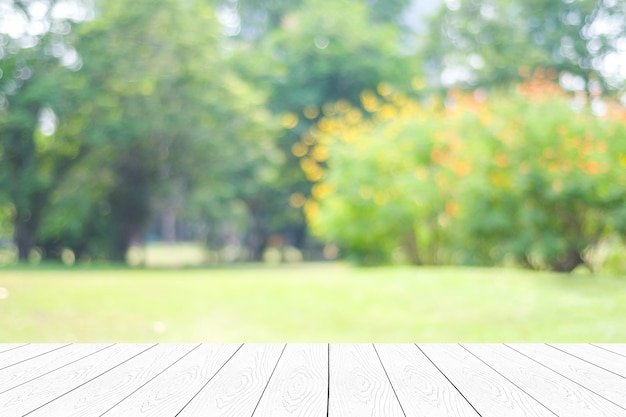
(34, 394)
(102, 393)
(12, 357)
(167, 394)
(601, 382)
(31, 369)
(612, 362)
(421, 388)
(618, 348)
(238, 386)
(566, 380)
(490, 393)
(4, 347)
(562, 396)
(299, 385)
(358, 384)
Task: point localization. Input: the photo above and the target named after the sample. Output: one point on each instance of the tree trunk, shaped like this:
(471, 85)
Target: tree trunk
(256, 239)
(25, 227)
(568, 261)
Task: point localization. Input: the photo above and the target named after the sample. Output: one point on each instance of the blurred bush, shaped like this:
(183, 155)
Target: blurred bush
(533, 176)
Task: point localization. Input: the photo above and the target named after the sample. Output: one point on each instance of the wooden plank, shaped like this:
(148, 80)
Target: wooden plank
(608, 385)
(4, 347)
(490, 393)
(299, 386)
(358, 383)
(421, 388)
(34, 394)
(618, 348)
(167, 394)
(237, 388)
(562, 396)
(31, 369)
(605, 359)
(13, 357)
(100, 394)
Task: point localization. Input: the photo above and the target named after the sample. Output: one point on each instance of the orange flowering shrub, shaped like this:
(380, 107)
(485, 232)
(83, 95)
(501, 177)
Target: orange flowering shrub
(530, 175)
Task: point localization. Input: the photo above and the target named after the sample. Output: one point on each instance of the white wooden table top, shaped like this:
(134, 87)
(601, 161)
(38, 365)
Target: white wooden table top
(336, 380)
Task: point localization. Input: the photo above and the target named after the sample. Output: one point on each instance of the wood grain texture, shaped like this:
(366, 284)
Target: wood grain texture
(606, 384)
(605, 359)
(13, 357)
(358, 383)
(299, 386)
(490, 393)
(311, 380)
(34, 394)
(102, 393)
(4, 347)
(559, 394)
(238, 386)
(31, 369)
(167, 394)
(420, 386)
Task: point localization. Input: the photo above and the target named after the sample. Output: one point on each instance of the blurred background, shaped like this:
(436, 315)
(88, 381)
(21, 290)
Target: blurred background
(293, 137)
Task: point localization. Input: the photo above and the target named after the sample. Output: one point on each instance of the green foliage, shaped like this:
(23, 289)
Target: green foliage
(515, 176)
(317, 53)
(34, 158)
(169, 118)
(497, 42)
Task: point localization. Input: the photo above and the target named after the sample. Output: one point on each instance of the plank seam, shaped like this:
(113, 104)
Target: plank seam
(150, 380)
(15, 347)
(451, 383)
(210, 379)
(269, 379)
(328, 380)
(583, 359)
(86, 382)
(517, 386)
(36, 356)
(389, 379)
(55, 369)
(569, 379)
(608, 350)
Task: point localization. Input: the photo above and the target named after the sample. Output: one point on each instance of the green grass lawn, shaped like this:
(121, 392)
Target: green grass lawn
(309, 303)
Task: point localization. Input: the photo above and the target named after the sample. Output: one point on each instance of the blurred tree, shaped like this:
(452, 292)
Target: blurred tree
(168, 113)
(313, 53)
(35, 65)
(482, 43)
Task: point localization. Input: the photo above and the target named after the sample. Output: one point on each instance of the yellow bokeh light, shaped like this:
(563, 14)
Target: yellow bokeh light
(311, 209)
(387, 112)
(299, 149)
(311, 112)
(342, 106)
(384, 89)
(289, 120)
(320, 153)
(320, 191)
(308, 139)
(354, 116)
(297, 200)
(370, 101)
(328, 109)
